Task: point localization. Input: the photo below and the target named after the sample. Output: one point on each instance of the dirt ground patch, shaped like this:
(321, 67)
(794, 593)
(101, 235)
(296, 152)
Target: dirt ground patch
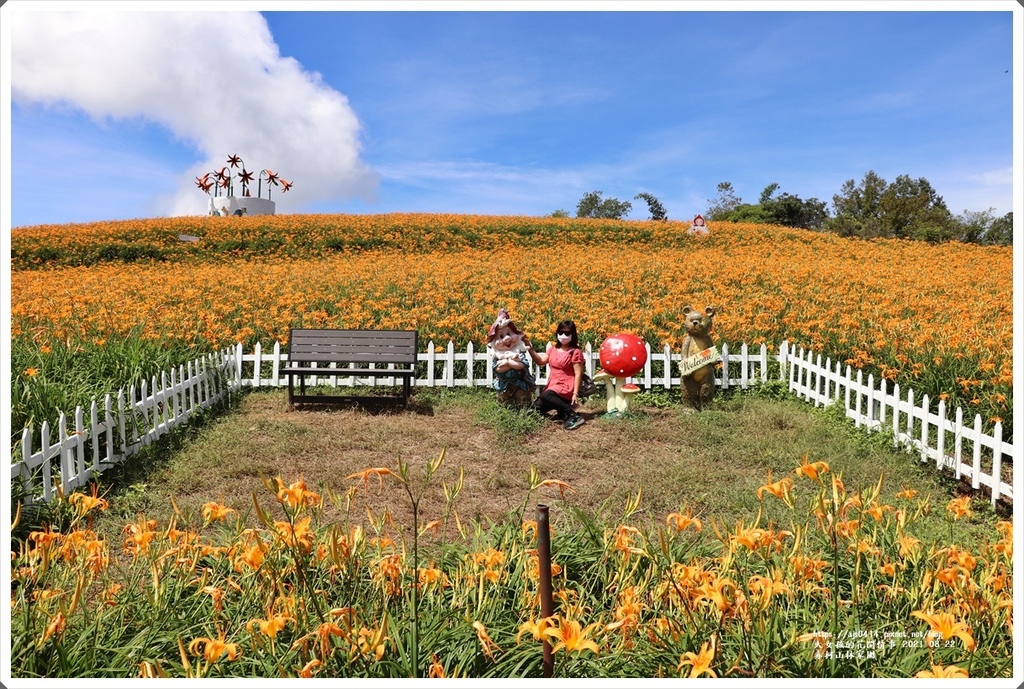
(603, 461)
(712, 461)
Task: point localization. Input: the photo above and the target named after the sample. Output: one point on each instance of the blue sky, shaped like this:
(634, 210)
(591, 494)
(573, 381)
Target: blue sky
(114, 114)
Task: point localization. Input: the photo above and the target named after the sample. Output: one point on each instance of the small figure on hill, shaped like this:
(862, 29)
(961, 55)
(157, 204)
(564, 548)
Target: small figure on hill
(698, 348)
(512, 377)
(239, 211)
(224, 211)
(565, 375)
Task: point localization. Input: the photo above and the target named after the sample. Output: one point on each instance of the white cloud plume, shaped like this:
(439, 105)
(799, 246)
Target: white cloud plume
(214, 79)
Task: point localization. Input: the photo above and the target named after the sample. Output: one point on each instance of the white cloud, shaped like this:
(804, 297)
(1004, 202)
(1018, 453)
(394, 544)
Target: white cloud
(977, 190)
(1003, 177)
(214, 79)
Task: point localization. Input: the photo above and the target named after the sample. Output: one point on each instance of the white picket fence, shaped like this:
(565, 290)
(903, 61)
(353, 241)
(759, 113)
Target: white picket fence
(449, 367)
(914, 426)
(117, 431)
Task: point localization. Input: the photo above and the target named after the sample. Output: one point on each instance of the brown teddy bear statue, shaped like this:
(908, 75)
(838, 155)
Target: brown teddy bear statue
(697, 368)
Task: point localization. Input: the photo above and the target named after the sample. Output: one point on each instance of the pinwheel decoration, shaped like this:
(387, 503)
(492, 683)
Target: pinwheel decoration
(223, 179)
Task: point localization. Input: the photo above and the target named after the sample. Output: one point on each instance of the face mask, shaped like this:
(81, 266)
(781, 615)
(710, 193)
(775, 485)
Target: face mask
(564, 339)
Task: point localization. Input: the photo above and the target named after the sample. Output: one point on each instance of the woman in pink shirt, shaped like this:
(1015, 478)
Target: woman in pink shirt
(565, 371)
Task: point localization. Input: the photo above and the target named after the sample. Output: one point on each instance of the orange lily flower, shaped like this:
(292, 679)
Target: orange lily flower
(909, 545)
(296, 495)
(767, 588)
(538, 628)
(309, 669)
(945, 625)
(429, 576)
(779, 489)
(715, 591)
(486, 643)
(217, 594)
(624, 540)
(213, 511)
(271, 625)
(252, 556)
(370, 641)
(562, 486)
(379, 472)
(139, 535)
(700, 663)
(213, 649)
(85, 503)
(908, 493)
(811, 469)
(960, 507)
(436, 668)
(56, 626)
(682, 522)
(298, 535)
(819, 638)
(572, 637)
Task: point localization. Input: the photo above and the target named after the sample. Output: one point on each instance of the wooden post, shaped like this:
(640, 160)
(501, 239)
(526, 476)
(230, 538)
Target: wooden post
(547, 604)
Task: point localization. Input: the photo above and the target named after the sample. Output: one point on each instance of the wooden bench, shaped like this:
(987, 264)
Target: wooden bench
(352, 351)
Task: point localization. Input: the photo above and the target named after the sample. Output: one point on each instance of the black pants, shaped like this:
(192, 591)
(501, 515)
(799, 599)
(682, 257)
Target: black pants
(549, 399)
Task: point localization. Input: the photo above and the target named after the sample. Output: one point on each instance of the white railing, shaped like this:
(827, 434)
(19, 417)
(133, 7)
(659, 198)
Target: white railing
(117, 432)
(449, 367)
(119, 429)
(914, 426)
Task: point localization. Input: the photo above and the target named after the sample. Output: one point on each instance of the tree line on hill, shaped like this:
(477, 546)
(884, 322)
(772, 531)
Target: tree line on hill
(905, 208)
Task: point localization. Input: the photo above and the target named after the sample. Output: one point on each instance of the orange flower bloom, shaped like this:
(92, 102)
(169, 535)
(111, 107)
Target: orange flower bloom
(945, 625)
(960, 507)
(379, 472)
(572, 637)
(700, 663)
(436, 668)
(213, 511)
(561, 485)
(682, 522)
(270, 626)
(537, 628)
(811, 469)
(779, 489)
(213, 649)
(85, 503)
(310, 668)
(486, 643)
(820, 640)
(908, 493)
(296, 495)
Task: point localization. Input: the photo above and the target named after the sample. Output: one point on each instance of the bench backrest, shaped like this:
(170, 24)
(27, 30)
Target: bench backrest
(353, 346)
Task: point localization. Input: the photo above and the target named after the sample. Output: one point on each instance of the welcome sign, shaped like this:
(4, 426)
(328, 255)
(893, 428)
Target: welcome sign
(692, 363)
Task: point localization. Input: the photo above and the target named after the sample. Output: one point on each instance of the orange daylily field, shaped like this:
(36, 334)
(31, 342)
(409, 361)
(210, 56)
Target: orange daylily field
(856, 585)
(935, 318)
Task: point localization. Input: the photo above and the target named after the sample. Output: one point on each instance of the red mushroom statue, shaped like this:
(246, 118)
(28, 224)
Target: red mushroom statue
(622, 355)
